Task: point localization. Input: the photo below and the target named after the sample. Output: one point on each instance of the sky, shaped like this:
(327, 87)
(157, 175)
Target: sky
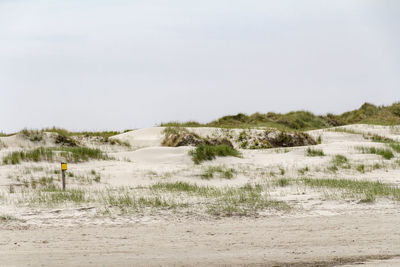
(119, 64)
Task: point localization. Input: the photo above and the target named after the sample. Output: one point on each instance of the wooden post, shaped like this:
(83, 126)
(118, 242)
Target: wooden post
(63, 169)
(63, 179)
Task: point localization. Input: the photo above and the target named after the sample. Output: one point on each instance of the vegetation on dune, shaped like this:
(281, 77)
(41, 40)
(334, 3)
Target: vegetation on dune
(63, 137)
(180, 136)
(282, 182)
(2, 145)
(246, 139)
(303, 120)
(314, 152)
(209, 152)
(67, 138)
(370, 190)
(274, 138)
(53, 194)
(223, 171)
(69, 154)
(385, 153)
(242, 201)
(32, 135)
(339, 161)
(395, 145)
(64, 132)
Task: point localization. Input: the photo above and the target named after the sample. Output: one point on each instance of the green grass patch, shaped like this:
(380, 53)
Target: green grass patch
(395, 147)
(247, 200)
(188, 188)
(361, 168)
(369, 190)
(339, 160)
(282, 182)
(208, 152)
(32, 135)
(228, 201)
(223, 172)
(126, 201)
(385, 153)
(302, 171)
(68, 154)
(393, 144)
(53, 195)
(64, 132)
(314, 152)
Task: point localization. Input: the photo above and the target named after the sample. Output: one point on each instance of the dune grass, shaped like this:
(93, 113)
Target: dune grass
(246, 200)
(208, 152)
(370, 190)
(2, 145)
(385, 153)
(314, 152)
(338, 161)
(53, 195)
(204, 191)
(223, 171)
(127, 202)
(282, 182)
(302, 171)
(32, 135)
(64, 132)
(65, 137)
(393, 144)
(68, 154)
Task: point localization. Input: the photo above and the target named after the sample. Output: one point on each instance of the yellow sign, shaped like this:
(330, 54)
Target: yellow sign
(64, 166)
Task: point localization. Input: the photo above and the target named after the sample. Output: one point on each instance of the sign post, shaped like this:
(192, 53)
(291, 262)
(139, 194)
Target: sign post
(63, 169)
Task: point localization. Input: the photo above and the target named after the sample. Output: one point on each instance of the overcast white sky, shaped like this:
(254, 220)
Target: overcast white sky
(117, 64)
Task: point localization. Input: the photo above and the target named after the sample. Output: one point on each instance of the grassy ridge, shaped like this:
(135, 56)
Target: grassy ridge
(304, 120)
